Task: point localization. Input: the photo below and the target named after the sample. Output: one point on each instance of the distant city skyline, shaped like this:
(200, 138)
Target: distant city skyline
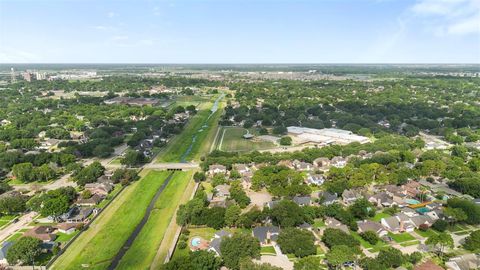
(230, 31)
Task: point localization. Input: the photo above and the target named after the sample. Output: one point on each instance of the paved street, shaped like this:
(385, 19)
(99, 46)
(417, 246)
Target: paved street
(13, 227)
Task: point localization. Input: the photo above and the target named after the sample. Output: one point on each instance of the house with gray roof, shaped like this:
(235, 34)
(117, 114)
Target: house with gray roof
(327, 198)
(464, 262)
(3, 251)
(222, 191)
(381, 199)
(350, 195)
(302, 200)
(266, 234)
(368, 225)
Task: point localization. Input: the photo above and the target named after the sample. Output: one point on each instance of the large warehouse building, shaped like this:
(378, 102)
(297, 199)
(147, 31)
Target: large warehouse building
(325, 136)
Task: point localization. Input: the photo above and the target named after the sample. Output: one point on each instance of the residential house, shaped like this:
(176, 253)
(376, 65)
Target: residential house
(77, 215)
(241, 168)
(44, 233)
(302, 200)
(335, 224)
(222, 191)
(217, 168)
(322, 163)
(315, 179)
(266, 234)
(464, 262)
(422, 220)
(412, 188)
(327, 198)
(368, 225)
(381, 199)
(92, 201)
(303, 166)
(428, 265)
(350, 195)
(271, 204)
(101, 189)
(338, 162)
(3, 251)
(398, 223)
(67, 228)
(286, 163)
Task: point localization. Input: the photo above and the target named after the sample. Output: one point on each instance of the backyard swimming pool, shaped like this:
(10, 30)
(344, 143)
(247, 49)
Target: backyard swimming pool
(196, 242)
(412, 201)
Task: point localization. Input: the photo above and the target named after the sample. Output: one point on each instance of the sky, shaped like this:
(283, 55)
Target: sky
(234, 31)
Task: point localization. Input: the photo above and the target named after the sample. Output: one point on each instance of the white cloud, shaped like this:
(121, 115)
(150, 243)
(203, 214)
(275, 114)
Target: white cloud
(112, 14)
(457, 17)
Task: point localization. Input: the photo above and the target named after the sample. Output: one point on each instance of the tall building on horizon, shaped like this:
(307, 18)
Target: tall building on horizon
(13, 78)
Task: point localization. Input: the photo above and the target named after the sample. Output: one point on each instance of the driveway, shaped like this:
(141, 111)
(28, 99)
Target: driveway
(279, 260)
(20, 224)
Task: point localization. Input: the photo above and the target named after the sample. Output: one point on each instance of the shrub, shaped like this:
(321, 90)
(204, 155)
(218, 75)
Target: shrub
(182, 244)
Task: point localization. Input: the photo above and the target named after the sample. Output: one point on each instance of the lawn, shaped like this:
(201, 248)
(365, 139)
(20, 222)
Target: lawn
(401, 237)
(201, 126)
(14, 236)
(367, 245)
(4, 222)
(267, 250)
(63, 237)
(99, 244)
(231, 140)
(319, 223)
(426, 233)
(379, 216)
(143, 250)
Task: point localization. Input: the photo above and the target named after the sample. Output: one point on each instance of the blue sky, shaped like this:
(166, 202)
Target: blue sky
(249, 31)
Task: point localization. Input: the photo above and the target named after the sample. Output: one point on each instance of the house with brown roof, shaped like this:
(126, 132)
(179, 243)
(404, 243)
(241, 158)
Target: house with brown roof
(67, 228)
(44, 233)
(92, 201)
(428, 265)
(335, 224)
(101, 189)
(217, 168)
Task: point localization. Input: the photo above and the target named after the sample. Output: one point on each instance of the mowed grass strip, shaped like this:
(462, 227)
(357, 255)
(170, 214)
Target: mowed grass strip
(143, 250)
(97, 246)
(180, 143)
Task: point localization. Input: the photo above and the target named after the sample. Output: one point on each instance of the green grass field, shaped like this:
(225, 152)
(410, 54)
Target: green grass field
(367, 245)
(267, 250)
(426, 233)
(205, 136)
(401, 237)
(379, 216)
(144, 248)
(230, 140)
(99, 244)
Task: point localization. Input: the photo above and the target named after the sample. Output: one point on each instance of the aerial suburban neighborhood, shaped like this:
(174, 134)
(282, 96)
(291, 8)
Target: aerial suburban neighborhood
(240, 135)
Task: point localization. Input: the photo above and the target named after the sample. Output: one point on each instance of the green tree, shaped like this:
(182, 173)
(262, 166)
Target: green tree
(286, 140)
(297, 241)
(247, 264)
(440, 242)
(237, 247)
(25, 250)
(307, 263)
(338, 255)
(390, 257)
(287, 214)
(133, 158)
(232, 215)
(23, 172)
(472, 242)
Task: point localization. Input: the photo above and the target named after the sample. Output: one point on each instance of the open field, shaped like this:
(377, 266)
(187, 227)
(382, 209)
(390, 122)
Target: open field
(143, 250)
(201, 102)
(230, 140)
(179, 145)
(98, 245)
(401, 237)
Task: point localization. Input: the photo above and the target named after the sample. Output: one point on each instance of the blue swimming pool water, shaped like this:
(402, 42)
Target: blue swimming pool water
(422, 210)
(412, 201)
(196, 242)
